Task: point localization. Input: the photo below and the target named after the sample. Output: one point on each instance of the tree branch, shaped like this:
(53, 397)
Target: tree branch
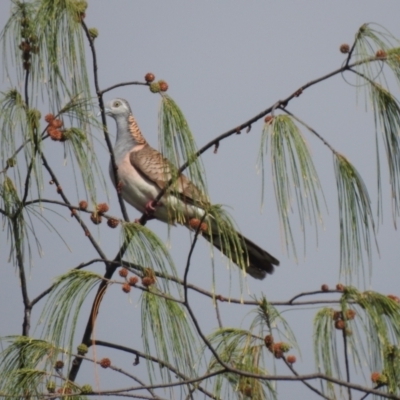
(103, 120)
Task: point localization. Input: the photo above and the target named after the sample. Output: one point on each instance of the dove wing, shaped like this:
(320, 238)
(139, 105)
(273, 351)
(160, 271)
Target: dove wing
(151, 164)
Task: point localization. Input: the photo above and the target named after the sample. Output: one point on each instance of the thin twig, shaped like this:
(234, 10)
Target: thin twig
(75, 215)
(315, 390)
(312, 130)
(144, 356)
(346, 360)
(196, 235)
(21, 270)
(26, 89)
(122, 84)
(312, 293)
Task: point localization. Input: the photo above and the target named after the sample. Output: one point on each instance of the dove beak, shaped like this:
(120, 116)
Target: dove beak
(106, 111)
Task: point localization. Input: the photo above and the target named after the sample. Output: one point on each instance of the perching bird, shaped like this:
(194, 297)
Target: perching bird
(143, 172)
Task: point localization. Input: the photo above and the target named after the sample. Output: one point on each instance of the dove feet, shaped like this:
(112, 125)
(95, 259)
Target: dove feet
(150, 207)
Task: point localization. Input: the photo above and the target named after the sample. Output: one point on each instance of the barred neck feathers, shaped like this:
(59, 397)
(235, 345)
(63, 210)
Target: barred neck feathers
(135, 131)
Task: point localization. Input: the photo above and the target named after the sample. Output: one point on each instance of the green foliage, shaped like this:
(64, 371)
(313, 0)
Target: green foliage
(13, 219)
(14, 129)
(372, 334)
(243, 351)
(148, 251)
(166, 326)
(382, 50)
(62, 308)
(370, 39)
(387, 117)
(177, 142)
(52, 29)
(24, 364)
(78, 144)
(355, 216)
(294, 176)
(325, 344)
(269, 318)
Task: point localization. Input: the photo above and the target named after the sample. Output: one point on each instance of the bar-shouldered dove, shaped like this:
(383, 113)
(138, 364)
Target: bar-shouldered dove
(143, 172)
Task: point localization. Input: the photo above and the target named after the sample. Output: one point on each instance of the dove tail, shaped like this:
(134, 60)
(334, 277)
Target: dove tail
(261, 262)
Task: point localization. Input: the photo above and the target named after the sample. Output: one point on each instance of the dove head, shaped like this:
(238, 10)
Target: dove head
(118, 109)
(127, 127)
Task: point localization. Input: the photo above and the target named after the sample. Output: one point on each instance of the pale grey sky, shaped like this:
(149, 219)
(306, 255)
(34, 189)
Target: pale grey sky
(224, 63)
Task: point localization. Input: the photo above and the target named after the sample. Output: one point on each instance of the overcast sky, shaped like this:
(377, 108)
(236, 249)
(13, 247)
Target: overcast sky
(225, 61)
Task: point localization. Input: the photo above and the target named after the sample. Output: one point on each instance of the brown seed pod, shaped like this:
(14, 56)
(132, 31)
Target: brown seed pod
(105, 362)
(126, 287)
(147, 281)
(277, 350)
(49, 118)
(112, 222)
(149, 77)
(269, 341)
(381, 54)
(337, 315)
(102, 208)
(375, 376)
(133, 280)
(54, 134)
(325, 288)
(56, 123)
(83, 205)
(195, 222)
(291, 359)
(59, 364)
(344, 48)
(59, 189)
(163, 86)
(123, 272)
(340, 287)
(340, 324)
(268, 119)
(96, 218)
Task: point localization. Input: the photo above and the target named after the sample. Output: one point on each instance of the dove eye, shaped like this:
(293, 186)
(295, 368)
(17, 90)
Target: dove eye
(117, 103)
